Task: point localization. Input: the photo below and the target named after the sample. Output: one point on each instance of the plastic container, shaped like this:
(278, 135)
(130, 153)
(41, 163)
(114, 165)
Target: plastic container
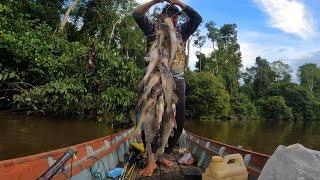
(230, 167)
(115, 173)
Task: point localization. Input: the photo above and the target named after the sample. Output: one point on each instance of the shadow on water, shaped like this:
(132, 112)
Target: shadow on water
(259, 135)
(21, 135)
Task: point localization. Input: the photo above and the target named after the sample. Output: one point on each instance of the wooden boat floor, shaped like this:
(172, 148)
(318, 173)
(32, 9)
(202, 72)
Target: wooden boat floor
(174, 172)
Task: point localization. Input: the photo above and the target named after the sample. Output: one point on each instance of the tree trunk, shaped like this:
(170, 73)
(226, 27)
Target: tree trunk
(67, 14)
(113, 29)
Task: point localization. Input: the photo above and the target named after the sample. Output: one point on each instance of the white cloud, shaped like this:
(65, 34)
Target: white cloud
(249, 53)
(275, 47)
(290, 16)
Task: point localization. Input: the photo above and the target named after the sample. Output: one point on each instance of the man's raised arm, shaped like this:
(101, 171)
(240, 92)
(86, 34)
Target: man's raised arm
(145, 24)
(142, 10)
(189, 27)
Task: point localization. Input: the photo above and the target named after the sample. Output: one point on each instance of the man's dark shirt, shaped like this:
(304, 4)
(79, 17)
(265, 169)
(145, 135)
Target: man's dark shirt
(184, 31)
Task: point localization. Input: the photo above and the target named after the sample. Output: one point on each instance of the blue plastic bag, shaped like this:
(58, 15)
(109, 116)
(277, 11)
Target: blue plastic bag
(115, 173)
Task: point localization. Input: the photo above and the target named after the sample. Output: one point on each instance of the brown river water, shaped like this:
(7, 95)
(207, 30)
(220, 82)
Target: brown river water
(258, 135)
(22, 136)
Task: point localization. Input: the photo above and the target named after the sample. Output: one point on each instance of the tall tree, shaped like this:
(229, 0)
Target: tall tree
(199, 41)
(112, 23)
(264, 76)
(260, 77)
(225, 61)
(46, 11)
(201, 64)
(67, 15)
(309, 75)
(283, 71)
(213, 32)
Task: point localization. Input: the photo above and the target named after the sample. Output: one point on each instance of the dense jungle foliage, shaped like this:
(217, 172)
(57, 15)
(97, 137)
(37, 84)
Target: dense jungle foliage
(91, 65)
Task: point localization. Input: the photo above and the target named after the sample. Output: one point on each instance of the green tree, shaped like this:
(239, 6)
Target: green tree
(43, 72)
(201, 64)
(225, 61)
(309, 75)
(213, 32)
(303, 103)
(243, 108)
(258, 78)
(274, 108)
(206, 96)
(199, 42)
(261, 76)
(48, 12)
(111, 22)
(247, 78)
(283, 71)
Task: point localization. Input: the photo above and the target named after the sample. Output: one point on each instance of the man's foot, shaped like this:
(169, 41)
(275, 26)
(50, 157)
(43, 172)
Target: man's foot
(166, 162)
(148, 171)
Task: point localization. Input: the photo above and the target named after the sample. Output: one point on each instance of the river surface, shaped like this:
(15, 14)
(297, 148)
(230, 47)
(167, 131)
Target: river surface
(22, 136)
(257, 135)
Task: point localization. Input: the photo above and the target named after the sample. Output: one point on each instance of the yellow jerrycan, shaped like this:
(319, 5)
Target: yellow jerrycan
(230, 167)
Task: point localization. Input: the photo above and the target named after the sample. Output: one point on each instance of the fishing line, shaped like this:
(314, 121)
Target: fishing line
(71, 167)
(97, 174)
(178, 164)
(160, 170)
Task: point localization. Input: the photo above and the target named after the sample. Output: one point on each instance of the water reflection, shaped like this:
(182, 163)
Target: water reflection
(260, 136)
(21, 136)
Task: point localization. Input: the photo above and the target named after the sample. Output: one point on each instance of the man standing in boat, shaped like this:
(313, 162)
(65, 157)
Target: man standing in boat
(183, 32)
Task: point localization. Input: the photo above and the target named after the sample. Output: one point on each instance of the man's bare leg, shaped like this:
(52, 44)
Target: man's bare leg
(151, 166)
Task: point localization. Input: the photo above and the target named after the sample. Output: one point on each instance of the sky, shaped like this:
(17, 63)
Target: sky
(286, 30)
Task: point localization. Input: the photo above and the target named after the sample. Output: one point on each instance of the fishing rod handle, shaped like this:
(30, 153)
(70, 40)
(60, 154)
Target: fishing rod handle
(59, 164)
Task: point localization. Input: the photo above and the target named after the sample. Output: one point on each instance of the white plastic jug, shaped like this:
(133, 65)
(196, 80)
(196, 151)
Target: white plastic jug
(230, 167)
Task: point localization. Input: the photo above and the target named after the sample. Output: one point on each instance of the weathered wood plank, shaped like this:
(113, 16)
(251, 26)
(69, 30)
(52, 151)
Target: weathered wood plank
(171, 173)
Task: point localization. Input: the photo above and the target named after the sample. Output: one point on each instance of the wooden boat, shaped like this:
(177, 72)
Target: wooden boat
(111, 150)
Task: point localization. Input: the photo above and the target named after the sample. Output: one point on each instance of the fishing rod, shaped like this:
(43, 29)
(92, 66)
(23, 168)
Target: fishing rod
(58, 165)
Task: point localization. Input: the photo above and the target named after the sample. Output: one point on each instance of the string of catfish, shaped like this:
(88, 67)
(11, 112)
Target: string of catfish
(156, 106)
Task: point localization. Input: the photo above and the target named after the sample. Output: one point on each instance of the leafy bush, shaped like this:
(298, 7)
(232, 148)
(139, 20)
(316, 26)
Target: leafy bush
(108, 89)
(43, 72)
(63, 97)
(243, 108)
(275, 108)
(206, 96)
(304, 104)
